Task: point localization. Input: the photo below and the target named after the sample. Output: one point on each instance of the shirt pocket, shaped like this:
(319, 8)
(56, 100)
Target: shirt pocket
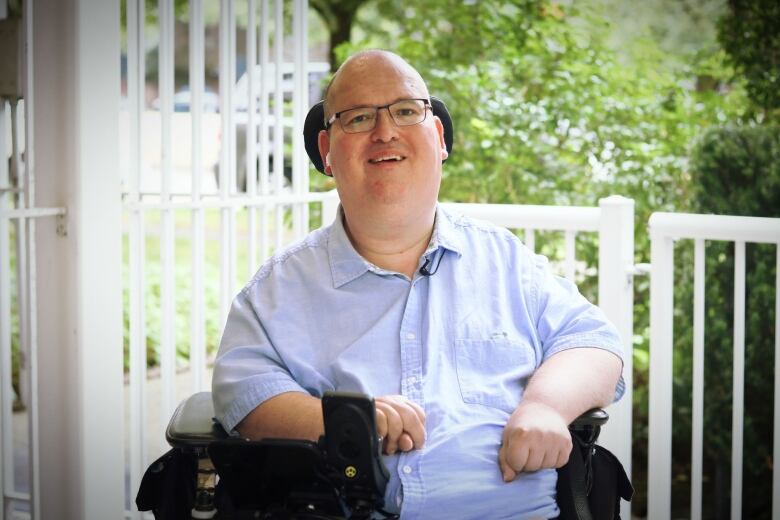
(493, 372)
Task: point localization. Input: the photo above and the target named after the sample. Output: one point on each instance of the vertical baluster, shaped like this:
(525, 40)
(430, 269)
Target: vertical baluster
(197, 312)
(6, 390)
(136, 247)
(776, 443)
(659, 470)
(738, 406)
(167, 223)
(265, 22)
(251, 133)
(529, 239)
(300, 177)
(570, 253)
(697, 433)
(278, 118)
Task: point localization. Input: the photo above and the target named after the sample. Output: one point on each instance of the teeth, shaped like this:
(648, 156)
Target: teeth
(388, 158)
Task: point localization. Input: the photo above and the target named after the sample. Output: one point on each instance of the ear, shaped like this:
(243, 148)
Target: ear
(323, 143)
(442, 143)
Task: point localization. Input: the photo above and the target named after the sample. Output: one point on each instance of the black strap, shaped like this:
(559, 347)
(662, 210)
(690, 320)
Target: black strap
(579, 480)
(572, 489)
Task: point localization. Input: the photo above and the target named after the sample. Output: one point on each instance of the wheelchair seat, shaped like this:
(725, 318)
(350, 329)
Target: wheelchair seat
(592, 474)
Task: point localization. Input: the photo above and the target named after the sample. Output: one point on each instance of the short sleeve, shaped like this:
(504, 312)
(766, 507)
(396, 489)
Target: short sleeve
(248, 369)
(565, 319)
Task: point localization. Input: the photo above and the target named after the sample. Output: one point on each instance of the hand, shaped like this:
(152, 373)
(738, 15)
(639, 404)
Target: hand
(400, 422)
(535, 437)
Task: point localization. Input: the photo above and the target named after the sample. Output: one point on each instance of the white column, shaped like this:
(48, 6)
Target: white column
(616, 299)
(75, 84)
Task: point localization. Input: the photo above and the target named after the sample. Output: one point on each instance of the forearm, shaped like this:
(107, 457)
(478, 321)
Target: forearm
(291, 415)
(574, 381)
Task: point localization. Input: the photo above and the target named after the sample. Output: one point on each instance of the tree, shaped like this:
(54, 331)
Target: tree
(750, 33)
(338, 16)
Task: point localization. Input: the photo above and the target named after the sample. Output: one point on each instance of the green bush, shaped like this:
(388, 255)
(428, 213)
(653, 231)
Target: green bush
(750, 33)
(736, 171)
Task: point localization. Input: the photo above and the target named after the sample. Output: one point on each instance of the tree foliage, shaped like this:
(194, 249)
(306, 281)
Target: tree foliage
(545, 112)
(750, 33)
(338, 16)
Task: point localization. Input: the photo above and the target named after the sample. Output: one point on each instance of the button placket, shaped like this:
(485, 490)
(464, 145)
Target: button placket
(411, 376)
(411, 348)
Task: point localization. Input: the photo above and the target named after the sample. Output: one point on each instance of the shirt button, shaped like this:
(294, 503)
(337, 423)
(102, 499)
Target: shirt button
(410, 335)
(407, 469)
(412, 380)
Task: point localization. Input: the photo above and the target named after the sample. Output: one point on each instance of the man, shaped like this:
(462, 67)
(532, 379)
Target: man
(477, 363)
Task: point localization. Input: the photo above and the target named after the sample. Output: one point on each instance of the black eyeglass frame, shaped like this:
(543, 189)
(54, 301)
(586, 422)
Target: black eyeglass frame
(426, 105)
(315, 123)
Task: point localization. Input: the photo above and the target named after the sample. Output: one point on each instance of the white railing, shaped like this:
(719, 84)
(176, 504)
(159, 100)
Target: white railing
(19, 212)
(665, 228)
(246, 220)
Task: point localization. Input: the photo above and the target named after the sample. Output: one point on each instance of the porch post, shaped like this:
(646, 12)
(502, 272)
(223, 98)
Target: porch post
(616, 299)
(73, 103)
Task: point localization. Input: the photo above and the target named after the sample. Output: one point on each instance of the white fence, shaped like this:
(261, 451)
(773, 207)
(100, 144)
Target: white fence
(665, 228)
(18, 215)
(239, 219)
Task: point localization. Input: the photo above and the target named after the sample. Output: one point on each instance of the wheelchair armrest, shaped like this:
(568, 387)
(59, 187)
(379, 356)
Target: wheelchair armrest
(587, 427)
(193, 424)
(590, 419)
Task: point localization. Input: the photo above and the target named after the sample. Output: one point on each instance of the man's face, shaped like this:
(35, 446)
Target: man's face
(390, 171)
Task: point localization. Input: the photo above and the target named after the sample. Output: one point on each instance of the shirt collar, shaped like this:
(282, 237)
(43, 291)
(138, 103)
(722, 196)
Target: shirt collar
(346, 264)
(444, 233)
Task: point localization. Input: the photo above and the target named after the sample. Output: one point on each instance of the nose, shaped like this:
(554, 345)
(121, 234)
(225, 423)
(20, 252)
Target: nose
(385, 129)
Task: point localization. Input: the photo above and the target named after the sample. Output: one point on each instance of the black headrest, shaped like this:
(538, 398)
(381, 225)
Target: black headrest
(315, 121)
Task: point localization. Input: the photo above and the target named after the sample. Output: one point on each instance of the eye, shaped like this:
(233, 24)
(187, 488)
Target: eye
(357, 117)
(408, 111)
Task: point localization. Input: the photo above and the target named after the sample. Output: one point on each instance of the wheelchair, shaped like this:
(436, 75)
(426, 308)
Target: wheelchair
(209, 475)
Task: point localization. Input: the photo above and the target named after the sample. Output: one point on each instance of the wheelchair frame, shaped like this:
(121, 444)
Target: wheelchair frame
(193, 428)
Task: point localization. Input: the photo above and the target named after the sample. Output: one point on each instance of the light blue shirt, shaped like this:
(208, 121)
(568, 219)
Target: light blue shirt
(461, 343)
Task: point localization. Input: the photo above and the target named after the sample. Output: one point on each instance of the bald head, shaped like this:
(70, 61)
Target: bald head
(370, 64)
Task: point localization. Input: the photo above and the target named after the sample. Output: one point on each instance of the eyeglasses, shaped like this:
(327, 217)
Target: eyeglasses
(405, 112)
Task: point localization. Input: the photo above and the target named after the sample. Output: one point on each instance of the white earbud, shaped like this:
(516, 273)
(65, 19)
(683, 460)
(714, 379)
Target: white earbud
(327, 159)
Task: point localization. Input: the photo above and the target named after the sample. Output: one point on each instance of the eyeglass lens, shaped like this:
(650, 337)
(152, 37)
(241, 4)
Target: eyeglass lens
(363, 119)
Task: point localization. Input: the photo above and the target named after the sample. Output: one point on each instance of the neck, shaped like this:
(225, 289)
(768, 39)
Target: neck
(391, 245)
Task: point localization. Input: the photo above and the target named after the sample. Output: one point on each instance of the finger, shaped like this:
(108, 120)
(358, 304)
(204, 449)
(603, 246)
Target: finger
(550, 459)
(417, 410)
(401, 401)
(405, 442)
(412, 424)
(535, 457)
(394, 427)
(506, 472)
(517, 456)
(381, 423)
(563, 458)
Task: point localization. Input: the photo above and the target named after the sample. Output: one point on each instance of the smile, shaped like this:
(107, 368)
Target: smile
(386, 158)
